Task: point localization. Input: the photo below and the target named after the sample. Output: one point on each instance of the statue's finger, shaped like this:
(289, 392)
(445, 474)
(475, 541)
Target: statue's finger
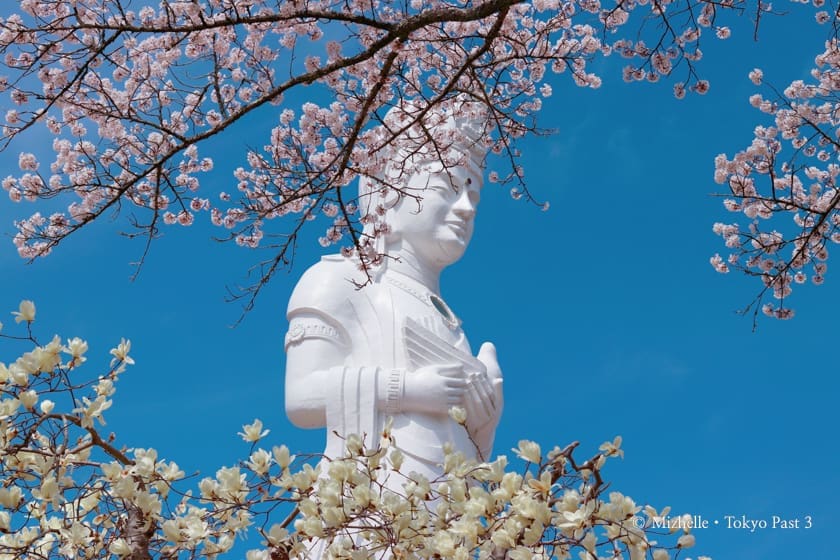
(478, 399)
(487, 354)
(455, 383)
(486, 394)
(454, 399)
(476, 414)
(488, 399)
(451, 370)
(497, 390)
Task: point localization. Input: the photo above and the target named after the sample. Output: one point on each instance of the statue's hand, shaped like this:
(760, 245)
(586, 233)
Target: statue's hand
(487, 356)
(484, 400)
(434, 389)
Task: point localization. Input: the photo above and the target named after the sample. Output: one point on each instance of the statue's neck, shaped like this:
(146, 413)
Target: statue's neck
(403, 260)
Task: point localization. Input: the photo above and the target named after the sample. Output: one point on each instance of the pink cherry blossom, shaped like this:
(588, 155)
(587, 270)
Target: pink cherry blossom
(131, 95)
(787, 171)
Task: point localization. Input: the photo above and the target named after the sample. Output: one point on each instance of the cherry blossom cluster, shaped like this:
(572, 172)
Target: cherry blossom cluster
(73, 492)
(791, 169)
(129, 95)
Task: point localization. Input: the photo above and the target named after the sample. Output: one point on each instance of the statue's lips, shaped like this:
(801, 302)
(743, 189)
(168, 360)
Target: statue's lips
(459, 227)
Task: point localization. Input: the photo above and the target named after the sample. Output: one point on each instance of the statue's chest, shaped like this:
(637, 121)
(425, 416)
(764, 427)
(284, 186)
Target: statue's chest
(427, 311)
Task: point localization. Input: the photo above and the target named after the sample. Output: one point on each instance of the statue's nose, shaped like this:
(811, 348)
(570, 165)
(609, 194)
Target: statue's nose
(464, 208)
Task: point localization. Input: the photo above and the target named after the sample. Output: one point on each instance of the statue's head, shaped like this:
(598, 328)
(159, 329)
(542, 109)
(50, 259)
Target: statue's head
(428, 194)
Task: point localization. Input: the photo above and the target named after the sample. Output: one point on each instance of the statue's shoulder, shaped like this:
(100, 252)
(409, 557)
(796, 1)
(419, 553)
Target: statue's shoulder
(327, 285)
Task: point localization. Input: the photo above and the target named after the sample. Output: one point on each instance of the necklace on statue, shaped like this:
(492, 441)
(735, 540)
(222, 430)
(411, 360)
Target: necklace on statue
(430, 299)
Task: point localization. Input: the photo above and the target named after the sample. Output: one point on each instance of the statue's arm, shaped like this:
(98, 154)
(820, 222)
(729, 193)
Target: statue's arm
(315, 362)
(313, 348)
(317, 352)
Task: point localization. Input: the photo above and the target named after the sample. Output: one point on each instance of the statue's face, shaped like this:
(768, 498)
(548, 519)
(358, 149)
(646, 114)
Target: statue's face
(440, 227)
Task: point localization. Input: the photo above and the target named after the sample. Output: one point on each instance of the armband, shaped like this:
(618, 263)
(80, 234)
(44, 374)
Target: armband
(301, 329)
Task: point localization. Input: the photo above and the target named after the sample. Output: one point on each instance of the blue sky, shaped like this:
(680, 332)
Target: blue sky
(606, 313)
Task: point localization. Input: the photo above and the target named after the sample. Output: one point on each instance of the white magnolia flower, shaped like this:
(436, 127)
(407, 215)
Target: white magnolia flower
(120, 353)
(397, 459)
(277, 534)
(18, 373)
(660, 554)
(282, 456)
(685, 541)
(10, 498)
(47, 406)
(231, 480)
(529, 451)
(148, 503)
(253, 432)
(89, 502)
(170, 471)
(25, 312)
(8, 407)
(260, 461)
(354, 444)
(113, 471)
(28, 399)
(48, 490)
(144, 462)
(443, 544)
(171, 530)
(93, 410)
(613, 447)
(458, 414)
(578, 519)
(590, 540)
(120, 547)
(76, 347)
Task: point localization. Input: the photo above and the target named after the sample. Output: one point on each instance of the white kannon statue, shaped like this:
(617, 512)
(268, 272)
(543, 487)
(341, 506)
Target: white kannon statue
(394, 348)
